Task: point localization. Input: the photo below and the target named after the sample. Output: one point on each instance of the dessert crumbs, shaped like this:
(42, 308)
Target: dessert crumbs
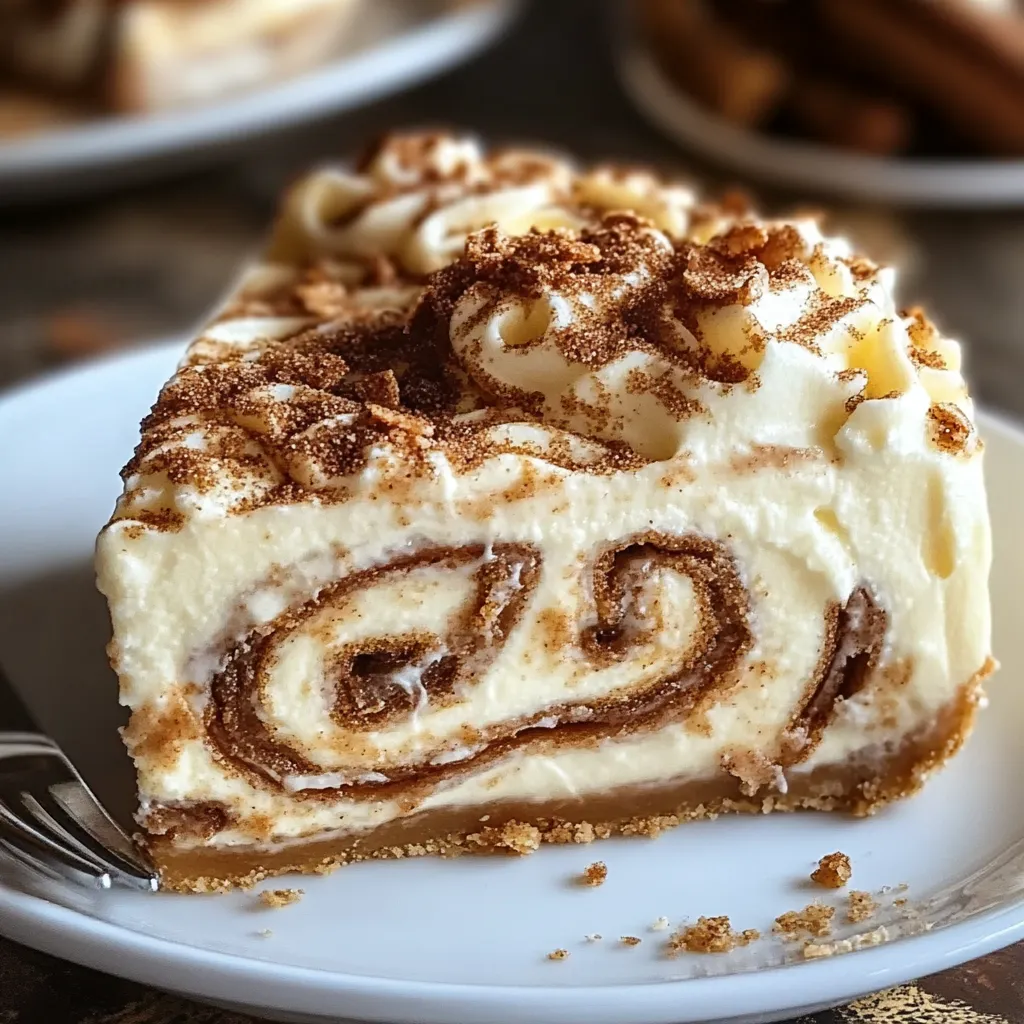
(815, 950)
(277, 898)
(594, 874)
(580, 832)
(860, 906)
(514, 836)
(833, 871)
(558, 954)
(900, 901)
(660, 924)
(630, 940)
(709, 935)
(264, 933)
(519, 837)
(815, 919)
(593, 937)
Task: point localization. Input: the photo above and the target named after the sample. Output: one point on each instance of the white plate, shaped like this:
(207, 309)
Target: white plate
(465, 942)
(806, 165)
(394, 43)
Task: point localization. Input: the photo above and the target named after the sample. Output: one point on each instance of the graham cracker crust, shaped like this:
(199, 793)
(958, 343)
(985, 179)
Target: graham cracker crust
(859, 787)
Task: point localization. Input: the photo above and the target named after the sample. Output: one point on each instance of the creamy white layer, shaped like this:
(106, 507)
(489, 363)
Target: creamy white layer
(877, 503)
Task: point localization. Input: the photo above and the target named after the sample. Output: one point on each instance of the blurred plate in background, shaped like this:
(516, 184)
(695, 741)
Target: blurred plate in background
(806, 165)
(395, 44)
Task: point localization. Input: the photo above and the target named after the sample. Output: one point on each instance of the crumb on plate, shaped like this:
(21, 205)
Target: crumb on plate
(277, 898)
(815, 919)
(710, 935)
(814, 950)
(860, 906)
(833, 871)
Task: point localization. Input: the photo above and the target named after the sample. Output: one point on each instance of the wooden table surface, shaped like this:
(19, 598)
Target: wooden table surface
(80, 277)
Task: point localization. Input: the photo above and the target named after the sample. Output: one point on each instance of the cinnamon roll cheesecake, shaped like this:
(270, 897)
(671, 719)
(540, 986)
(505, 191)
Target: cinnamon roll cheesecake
(157, 55)
(506, 502)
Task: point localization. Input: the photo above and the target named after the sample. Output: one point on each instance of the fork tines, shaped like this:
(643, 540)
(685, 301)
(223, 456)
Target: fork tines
(51, 821)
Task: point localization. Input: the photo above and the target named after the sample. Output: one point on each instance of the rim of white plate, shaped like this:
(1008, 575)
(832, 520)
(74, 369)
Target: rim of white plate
(143, 958)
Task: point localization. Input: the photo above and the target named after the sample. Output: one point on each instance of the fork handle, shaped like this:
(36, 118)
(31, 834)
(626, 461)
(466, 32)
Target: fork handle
(14, 716)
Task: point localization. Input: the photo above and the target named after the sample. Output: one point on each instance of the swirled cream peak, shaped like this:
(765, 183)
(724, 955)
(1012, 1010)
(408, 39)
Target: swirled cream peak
(615, 332)
(415, 200)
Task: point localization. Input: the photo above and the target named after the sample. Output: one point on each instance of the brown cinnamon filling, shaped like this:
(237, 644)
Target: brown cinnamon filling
(370, 693)
(200, 820)
(382, 680)
(854, 636)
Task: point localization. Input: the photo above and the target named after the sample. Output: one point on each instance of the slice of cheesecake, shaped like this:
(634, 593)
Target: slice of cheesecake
(177, 54)
(153, 55)
(507, 503)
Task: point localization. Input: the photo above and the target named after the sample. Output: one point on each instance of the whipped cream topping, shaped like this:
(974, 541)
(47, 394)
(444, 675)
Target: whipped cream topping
(490, 447)
(416, 199)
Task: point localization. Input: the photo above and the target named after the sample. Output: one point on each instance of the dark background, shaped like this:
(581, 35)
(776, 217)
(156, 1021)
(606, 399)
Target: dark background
(81, 277)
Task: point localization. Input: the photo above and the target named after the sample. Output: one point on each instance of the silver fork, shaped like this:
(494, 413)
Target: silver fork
(49, 818)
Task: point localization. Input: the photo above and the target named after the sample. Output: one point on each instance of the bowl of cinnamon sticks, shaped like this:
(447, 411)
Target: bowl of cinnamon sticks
(919, 101)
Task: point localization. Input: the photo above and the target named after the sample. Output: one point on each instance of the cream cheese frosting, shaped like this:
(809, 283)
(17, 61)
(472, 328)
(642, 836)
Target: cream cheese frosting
(498, 480)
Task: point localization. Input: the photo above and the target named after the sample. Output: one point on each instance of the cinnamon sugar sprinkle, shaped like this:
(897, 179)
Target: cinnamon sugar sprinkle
(950, 429)
(359, 370)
